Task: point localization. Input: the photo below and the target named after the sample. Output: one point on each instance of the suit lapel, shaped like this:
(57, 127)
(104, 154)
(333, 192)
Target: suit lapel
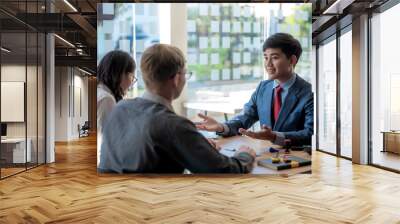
(269, 99)
(287, 107)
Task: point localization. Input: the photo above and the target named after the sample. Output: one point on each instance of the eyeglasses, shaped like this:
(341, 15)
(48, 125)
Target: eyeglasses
(188, 75)
(134, 79)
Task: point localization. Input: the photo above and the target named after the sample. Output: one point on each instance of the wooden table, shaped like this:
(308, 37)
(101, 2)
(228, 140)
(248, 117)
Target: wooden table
(260, 147)
(215, 106)
(14, 150)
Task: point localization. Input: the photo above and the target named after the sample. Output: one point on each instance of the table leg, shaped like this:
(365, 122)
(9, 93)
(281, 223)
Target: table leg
(384, 142)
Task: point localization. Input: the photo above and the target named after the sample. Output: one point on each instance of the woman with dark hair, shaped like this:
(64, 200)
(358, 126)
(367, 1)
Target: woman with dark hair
(115, 74)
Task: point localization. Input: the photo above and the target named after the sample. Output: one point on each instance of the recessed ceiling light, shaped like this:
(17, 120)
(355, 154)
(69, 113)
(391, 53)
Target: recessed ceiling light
(64, 40)
(86, 72)
(5, 49)
(70, 5)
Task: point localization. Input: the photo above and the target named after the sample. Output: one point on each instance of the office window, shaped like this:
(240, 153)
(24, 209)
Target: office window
(346, 95)
(327, 96)
(385, 84)
(227, 67)
(133, 28)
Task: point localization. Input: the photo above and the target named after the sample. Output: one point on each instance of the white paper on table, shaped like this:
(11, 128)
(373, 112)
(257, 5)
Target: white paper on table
(257, 42)
(203, 11)
(236, 58)
(225, 74)
(203, 42)
(236, 11)
(256, 27)
(214, 74)
(214, 42)
(236, 73)
(215, 10)
(203, 59)
(226, 26)
(226, 42)
(214, 58)
(215, 26)
(191, 26)
(229, 152)
(236, 27)
(192, 58)
(246, 42)
(246, 57)
(246, 27)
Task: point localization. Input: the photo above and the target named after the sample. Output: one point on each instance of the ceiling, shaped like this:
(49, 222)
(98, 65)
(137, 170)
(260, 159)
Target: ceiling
(330, 15)
(76, 23)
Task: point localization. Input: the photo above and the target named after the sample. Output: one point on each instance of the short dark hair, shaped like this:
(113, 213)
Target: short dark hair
(112, 67)
(286, 42)
(161, 62)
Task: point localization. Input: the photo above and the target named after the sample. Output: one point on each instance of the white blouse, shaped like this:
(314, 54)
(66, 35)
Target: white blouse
(105, 104)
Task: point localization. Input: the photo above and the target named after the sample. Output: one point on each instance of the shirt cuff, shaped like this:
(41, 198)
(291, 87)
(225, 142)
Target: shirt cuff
(225, 131)
(280, 138)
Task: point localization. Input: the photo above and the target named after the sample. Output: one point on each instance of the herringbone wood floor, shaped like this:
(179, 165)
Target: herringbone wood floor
(70, 191)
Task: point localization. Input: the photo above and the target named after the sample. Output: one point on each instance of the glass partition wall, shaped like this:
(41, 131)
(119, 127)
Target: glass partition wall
(385, 89)
(334, 101)
(327, 96)
(22, 77)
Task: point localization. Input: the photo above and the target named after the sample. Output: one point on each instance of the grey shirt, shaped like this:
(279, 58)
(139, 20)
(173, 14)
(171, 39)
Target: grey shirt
(145, 136)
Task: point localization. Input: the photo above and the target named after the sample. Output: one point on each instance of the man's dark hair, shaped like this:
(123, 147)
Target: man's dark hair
(112, 67)
(286, 42)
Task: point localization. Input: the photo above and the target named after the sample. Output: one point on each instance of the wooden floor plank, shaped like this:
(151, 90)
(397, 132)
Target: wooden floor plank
(71, 191)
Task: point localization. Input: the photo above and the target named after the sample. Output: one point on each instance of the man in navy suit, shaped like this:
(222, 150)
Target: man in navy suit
(284, 104)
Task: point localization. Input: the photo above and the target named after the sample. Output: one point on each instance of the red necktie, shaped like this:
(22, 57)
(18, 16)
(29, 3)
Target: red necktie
(277, 102)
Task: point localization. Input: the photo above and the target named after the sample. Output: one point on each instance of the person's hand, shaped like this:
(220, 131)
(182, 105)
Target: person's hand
(246, 149)
(209, 124)
(214, 144)
(266, 133)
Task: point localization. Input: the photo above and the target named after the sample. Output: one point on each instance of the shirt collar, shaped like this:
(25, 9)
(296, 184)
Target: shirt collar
(286, 85)
(157, 99)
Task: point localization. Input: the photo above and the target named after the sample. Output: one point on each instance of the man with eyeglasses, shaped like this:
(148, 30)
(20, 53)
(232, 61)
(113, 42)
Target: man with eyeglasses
(144, 135)
(284, 104)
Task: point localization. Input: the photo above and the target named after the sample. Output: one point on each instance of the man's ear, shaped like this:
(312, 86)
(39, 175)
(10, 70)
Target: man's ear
(176, 79)
(293, 60)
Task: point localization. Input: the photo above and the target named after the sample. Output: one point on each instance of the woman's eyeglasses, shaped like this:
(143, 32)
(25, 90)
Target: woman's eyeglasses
(134, 80)
(188, 75)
